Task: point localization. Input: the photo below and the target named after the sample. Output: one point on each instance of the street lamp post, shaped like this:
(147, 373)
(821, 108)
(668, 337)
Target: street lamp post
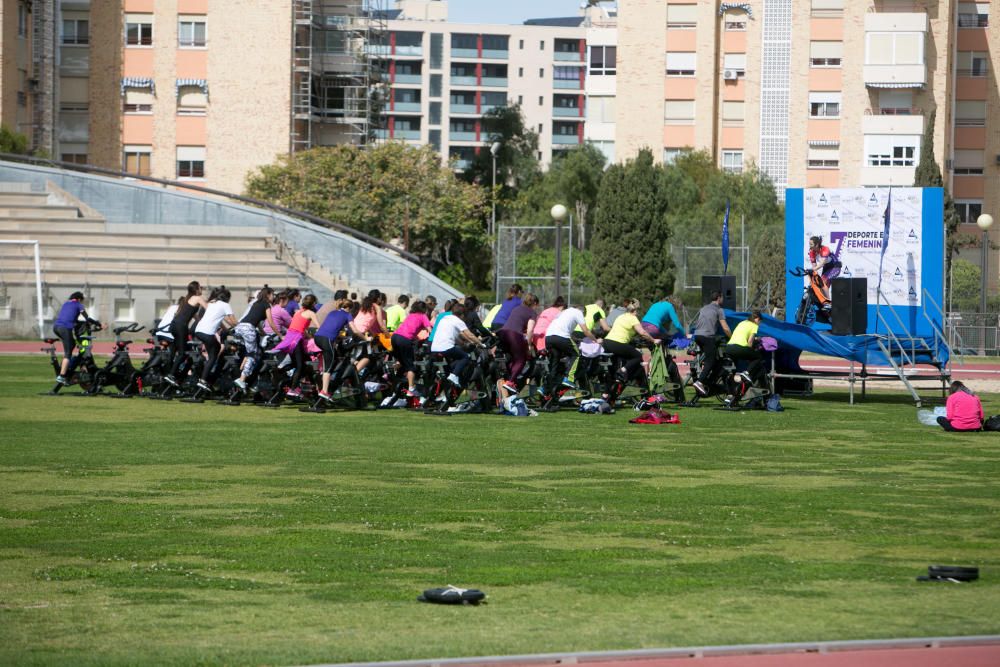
(558, 213)
(984, 222)
(494, 151)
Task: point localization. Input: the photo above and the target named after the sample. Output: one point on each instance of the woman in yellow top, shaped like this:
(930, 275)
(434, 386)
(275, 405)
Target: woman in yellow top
(741, 347)
(619, 342)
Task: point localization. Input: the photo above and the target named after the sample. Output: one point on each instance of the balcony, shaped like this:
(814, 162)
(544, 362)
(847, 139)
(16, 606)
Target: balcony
(565, 139)
(567, 84)
(568, 57)
(567, 112)
(486, 108)
(494, 82)
(896, 22)
(382, 135)
(463, 80)
(895, 49)
(405, 107)
(496, 54)
(407, 135)
(893, 124)
(465, 53)
(463, 108)
(460, 164)
(409, 51)
(413, 79)
(461, 136)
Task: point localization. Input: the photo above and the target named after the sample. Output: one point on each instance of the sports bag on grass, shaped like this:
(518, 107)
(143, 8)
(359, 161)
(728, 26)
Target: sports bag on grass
(452, 595)
(992, 423)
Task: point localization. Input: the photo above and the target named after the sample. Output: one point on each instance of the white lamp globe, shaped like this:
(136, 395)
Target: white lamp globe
(559, 213)
(984, 221)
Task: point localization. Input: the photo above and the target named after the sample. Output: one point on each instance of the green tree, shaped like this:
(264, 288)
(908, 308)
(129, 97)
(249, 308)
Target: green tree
(966, 283)
(631, 241)
(517, 158)
(390, 191)
(928, 175)
(12, 142)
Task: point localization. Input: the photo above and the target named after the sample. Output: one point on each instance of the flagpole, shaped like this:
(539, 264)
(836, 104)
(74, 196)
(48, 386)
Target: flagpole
(886, 223)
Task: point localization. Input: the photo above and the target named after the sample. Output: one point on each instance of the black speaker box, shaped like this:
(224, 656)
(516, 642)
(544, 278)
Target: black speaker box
(849, 315)
(724, 284)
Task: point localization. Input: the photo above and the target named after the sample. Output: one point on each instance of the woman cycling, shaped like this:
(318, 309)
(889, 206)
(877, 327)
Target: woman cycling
(246, 332)
(514, 337)
(405, 338)
(162, 330)
(544, 320)
(64, 327)
(218, 313)
(192, 303)
(293, 344)
(512, 301)
(334, 322)
(619, 342)
(278, 318)
(471, 317)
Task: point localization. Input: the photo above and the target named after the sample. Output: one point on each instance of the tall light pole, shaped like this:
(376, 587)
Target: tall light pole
(984, 222)
(558, 213)
(494, 151)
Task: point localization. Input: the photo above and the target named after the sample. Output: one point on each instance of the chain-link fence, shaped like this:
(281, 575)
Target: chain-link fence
(693, 262)
(527, 256)
(974, 333)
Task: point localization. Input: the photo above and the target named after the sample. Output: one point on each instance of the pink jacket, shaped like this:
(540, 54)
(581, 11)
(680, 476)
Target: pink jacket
(965, 411)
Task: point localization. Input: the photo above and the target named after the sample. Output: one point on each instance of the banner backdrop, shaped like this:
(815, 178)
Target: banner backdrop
(851, 222)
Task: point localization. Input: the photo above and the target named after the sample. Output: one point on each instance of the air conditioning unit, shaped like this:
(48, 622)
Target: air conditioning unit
(730, 75)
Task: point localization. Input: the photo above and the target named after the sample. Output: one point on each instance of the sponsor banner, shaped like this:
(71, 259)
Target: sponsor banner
(852, 222)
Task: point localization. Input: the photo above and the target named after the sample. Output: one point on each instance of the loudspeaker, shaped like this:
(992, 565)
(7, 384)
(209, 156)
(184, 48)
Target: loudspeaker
(849, 313)
(724, 284)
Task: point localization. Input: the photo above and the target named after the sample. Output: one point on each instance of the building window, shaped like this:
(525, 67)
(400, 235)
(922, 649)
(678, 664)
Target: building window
(600, 108)
(436, 85)
(437, 50)
(75, 31)
(138, 29)
(894, 48)
(681, 64)
(973, 63)
(896, 103)
(520, 44)
(827, 8)
(973, 14)
(678, 112)
(138, 101)
(495, 43)
(22, 19)
(823, 157)
(565, 74)
(541, 100)
(735, 25)
(603, 60)
(733, 113)
(541, 72)
(124, 310)
(520, 99)
(137, 160)
(434, 113)
(891, 150)
(520, 72)
(191, 101)
(969, 210)
(191, 161)
(732, 161)
(682, 17)
(670, 155)
(541, 45)
(74, 158)
(540, 128)
(824, 105)
(970, 113)
(968, 162)
(5, 308)
(825, 54)
(191, 31)
(465, 42)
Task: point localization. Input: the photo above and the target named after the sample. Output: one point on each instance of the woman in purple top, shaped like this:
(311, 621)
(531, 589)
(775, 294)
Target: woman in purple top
(64, 326)
(332, 325)
(514, 337)
(512, 301)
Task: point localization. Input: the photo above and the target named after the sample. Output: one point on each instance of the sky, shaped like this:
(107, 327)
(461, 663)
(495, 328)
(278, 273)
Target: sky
(509, 11)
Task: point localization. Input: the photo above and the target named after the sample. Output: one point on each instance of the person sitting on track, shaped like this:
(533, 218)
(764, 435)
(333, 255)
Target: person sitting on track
(404, 339)
(332, 324)
(559, 343)
(619, 343)
(293, 344)
(709, 319)
(395, 314)
(218, 313)
(963, 410)
(514, 336)
(64, 327)
(451, 332)
(246, 332)
(544, 320)
(742, 346)
(512, 301)
(179, 327)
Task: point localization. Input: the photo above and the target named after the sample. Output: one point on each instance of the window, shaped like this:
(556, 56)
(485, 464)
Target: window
(520, 44)
(496, 43)
(894, 48)
(607, 148)
(827, 8)
(541, 72)
(468, 42)
(124, 310)
(520, 99)
(970, 113)
(191, 161)
(973, 63)
(825, 54)
(678, 112)
(541, 100)
(22, 19)
(968, 162)
(670, 155)
(138, 101)
(891, 150)
(733, 113)
(895, 103)
(564, 129)
(435, 87)
(191, 101)
(823, 157)
(603, 60)
(824, 105)
(973, 14)
(969, 210)
(191, 31)
(437, 50)
(541, 45)
(434, 115)
(520, 72)
(732, 161)
(136, 160)
(75, 31)
(682, 17)
(680, 64)
(540, 127)
(735, 64)
(601, 109)
(566, 74)
(138, 29)
(75, 158)
(5, 308)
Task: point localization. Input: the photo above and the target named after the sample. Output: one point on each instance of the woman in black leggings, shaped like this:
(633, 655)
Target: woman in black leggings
(218, 314)
(619, 342)
(179, 327)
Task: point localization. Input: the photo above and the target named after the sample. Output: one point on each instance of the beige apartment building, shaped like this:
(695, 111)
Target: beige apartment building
(831, 93)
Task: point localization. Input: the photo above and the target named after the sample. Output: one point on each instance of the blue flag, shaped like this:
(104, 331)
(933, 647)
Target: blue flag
(725, 240)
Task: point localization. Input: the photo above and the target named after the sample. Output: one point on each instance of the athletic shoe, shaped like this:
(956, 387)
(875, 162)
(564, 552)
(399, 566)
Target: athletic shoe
(241, 385)
(700, 388)
(452, 378)
(169, 379)
(442, 398)
(203, 385)
(293, 393)
(510, 386)
(566, 382)
(728, 402)
(412, 393)
(746, 376)
(61, 380)
(325, 396)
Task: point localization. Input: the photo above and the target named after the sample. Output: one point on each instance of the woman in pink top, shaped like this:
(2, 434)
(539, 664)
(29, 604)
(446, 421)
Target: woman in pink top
(293, 343)
(277, 315)
(403, 340)
(964, 410)
(544, 320)
(367, 320)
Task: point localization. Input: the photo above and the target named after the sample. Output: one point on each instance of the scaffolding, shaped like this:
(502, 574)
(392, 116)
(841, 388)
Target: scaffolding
(339, 47)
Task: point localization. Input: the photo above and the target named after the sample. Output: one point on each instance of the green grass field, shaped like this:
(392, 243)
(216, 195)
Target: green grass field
(139, 532)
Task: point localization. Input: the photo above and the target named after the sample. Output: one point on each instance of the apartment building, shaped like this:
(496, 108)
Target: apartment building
(17, 72)
(830, 93)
